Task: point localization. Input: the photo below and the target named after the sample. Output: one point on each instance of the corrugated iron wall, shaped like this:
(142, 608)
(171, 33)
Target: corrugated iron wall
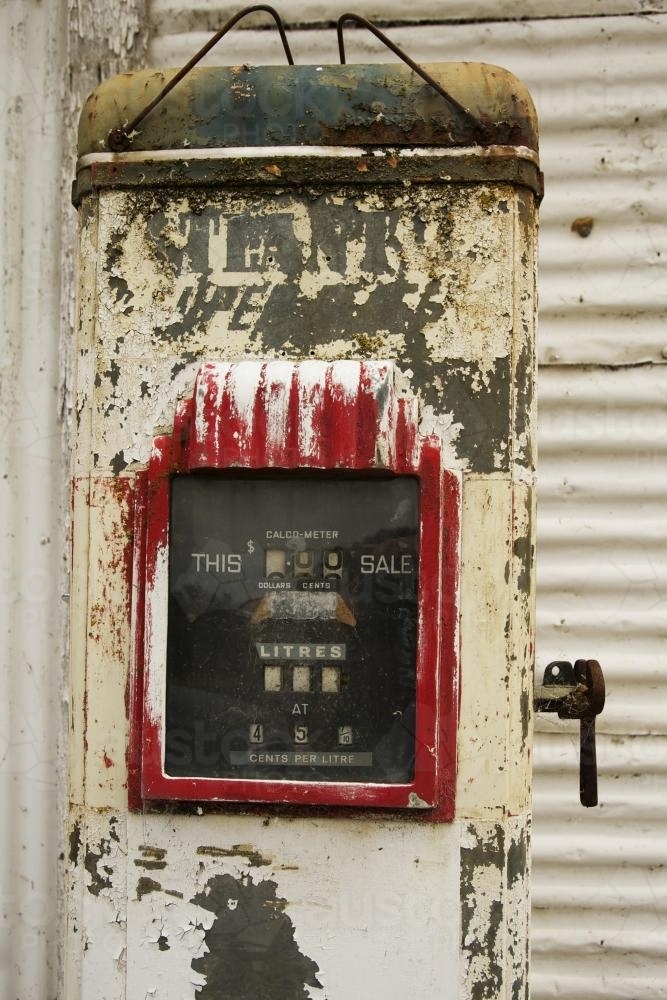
(596, 71)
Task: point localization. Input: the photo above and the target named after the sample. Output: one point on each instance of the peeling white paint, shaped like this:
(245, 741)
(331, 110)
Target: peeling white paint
(443, 426)
(279, 375)
(242, 392)
(156, 615)
(351, 914)
(153, 297)
(173, 932)
(311, 384)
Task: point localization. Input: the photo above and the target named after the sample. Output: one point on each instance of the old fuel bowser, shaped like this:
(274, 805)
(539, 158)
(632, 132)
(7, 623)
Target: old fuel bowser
(302, 586)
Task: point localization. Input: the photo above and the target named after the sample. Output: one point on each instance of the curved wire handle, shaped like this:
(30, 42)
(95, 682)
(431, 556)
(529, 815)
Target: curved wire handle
(120, 139)
(470, 118)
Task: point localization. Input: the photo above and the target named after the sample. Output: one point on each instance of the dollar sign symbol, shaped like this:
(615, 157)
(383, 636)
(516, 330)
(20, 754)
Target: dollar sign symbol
(250, 546)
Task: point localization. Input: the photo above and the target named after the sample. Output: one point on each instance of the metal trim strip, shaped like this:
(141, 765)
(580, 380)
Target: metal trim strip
(319, 152)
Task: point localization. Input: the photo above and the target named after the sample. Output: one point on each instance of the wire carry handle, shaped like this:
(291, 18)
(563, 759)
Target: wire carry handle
(415, 67)
(119, 139)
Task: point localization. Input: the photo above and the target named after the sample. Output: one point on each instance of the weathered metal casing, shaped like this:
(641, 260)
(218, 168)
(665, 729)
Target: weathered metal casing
(307, 213)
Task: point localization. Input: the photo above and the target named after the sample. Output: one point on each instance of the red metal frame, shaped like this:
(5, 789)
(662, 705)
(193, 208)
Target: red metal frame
(362, 426)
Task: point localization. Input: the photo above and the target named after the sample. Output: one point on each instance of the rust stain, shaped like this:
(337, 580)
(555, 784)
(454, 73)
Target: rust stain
(97, 613)
(254, 857)
(150, 865)
(583, 226)
(153, 858)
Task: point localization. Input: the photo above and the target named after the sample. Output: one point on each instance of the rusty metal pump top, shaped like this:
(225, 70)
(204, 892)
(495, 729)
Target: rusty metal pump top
(386, 105)
(176, 122)
(380, 122)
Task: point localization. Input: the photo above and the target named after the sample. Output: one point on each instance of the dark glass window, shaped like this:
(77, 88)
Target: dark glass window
(292, 627)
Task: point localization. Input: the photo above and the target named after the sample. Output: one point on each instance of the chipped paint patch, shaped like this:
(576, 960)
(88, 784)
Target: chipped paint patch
(251, 950)
(97, 921)
(74, 842)
(152, 858)
(442, 425)
(157, 629)
(146, 885)
(99, 871)
(482, 877)
(360, 910)
(423, 275)
(168, 938)
(495, 909)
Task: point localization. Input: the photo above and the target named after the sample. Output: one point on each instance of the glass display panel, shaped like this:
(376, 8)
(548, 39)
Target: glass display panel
(292, 628)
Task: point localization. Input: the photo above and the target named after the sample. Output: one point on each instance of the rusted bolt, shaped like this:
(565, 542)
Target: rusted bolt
(118, 141)
(583, 226)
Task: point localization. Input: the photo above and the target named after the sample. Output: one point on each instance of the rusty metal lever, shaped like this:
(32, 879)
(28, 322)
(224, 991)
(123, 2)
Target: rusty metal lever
(576, 691)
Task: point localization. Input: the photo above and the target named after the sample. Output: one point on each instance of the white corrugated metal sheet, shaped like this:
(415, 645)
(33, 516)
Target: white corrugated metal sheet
(599, 895)
(602, 574)
(171, 17)
(599, 892)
